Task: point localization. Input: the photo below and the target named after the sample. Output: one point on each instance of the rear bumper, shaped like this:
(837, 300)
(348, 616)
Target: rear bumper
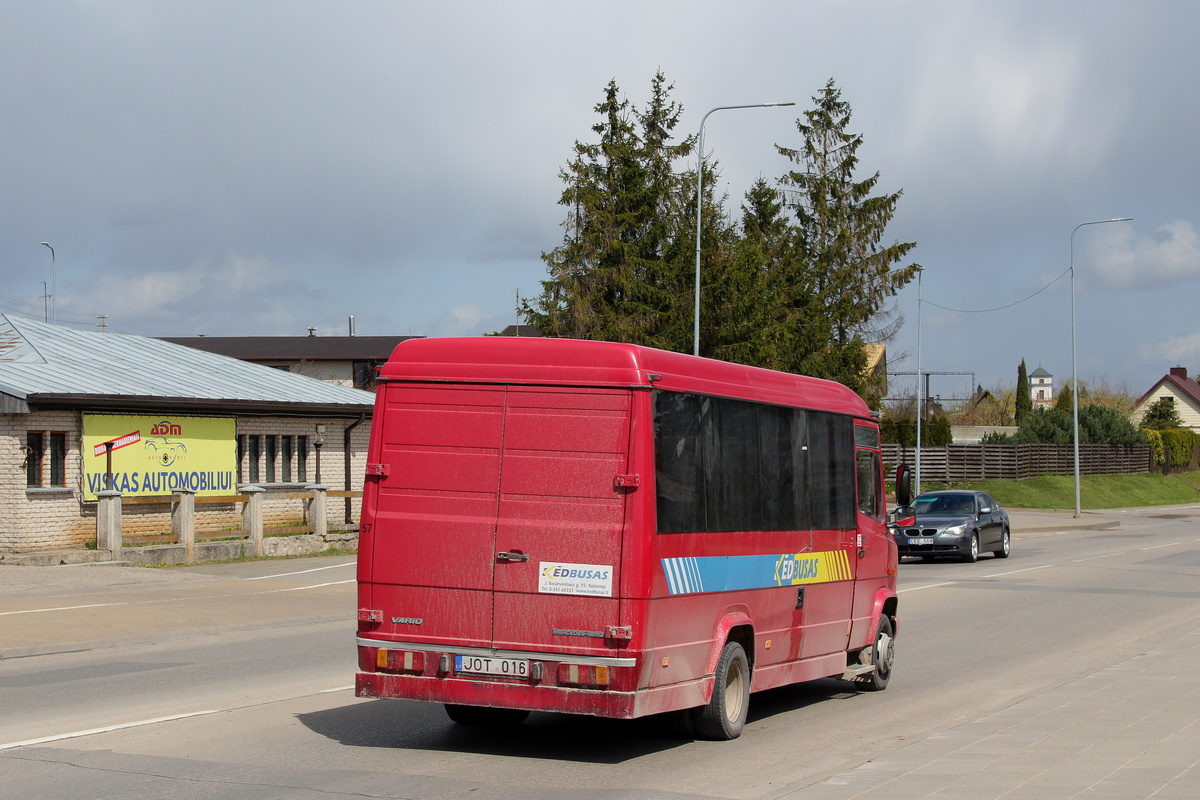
(495, 694)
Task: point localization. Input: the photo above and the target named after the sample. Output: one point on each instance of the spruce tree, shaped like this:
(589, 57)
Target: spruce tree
(612, 277)
(841, 267)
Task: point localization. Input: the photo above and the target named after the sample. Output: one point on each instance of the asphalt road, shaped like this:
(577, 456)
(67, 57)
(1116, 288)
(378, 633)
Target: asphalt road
(257, 710)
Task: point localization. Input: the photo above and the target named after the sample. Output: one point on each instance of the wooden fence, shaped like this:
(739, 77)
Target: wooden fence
(971, 462)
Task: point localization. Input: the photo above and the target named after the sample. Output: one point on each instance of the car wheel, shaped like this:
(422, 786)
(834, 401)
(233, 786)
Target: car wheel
(479, 716)
(725, 715)
(972, 554)
(1005, 545)
(882, 656)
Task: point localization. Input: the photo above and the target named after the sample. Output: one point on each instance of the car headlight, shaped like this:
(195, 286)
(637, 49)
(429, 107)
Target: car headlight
(956, 530)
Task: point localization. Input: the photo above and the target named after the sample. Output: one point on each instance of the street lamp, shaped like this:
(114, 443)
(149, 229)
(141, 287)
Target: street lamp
(700, 202)
(53, 288)
(1074, 372)
(920, 405)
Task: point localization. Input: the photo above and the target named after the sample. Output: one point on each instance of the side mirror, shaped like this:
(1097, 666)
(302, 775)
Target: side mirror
(904, 485)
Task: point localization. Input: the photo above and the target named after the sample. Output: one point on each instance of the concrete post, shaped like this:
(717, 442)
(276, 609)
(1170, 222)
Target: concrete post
(183, 521)
(316, 509)
(108, 522)
(252, 518)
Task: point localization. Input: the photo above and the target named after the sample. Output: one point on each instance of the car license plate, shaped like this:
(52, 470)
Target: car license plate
(486, 665)
(922, 540)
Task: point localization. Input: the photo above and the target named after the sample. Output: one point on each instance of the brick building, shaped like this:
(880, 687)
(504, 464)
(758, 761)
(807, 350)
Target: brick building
(77, 407)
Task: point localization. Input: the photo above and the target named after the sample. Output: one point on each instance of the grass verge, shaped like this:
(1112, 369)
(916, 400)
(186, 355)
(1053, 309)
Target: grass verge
(1095, 491)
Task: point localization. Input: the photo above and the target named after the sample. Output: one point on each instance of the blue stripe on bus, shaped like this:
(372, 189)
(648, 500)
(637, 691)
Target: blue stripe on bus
(695, 574)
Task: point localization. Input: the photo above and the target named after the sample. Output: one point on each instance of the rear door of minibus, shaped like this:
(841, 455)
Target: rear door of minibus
(498, 523)
(561, 518)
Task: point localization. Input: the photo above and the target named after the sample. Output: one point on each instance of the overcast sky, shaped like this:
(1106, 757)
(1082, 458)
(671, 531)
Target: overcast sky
(263, 168)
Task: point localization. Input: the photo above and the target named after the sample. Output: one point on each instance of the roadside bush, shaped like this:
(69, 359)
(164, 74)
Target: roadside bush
(1181, 441)
(996, 437)
(904, 432)
(1097, 425)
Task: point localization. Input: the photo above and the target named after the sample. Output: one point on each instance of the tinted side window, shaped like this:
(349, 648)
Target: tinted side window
(730, 465)
(678, 421)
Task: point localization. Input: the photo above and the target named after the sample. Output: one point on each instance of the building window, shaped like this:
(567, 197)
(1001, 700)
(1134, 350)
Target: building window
(33, 458)
(252, 451)
(302, 458)
(270, 454)
(286, 460)
(364, 375)
(58, 459)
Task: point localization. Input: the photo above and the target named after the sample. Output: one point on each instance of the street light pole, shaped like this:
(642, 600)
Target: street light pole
(53, 288)
(920, 405)
(699, 203)
(1074, 371)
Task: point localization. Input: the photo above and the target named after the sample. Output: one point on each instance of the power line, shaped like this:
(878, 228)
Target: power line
(1001, 308)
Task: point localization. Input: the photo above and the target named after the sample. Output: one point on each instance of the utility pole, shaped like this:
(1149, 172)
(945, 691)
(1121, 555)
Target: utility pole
(103, 321)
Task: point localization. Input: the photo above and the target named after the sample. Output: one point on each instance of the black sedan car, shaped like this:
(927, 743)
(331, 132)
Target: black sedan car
(952, 523)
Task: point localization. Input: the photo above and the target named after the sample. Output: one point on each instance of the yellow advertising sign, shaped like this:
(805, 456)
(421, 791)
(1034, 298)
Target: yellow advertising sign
(159, 455)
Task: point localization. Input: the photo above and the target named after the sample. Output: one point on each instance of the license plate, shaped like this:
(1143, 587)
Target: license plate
(922, 540)
(485, 665)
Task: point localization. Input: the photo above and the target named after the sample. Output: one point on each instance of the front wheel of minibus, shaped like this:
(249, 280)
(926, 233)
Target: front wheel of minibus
(725, 715)
(883, 654)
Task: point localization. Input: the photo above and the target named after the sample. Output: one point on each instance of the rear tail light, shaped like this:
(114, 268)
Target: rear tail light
(582, 675)
(400, 661)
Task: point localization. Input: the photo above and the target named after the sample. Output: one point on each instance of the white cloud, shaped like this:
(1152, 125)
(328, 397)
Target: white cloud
(459, 321)
(1176, 350)
(1117, 260)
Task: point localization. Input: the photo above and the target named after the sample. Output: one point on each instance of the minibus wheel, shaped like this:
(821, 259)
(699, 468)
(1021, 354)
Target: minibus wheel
(480, 716)
(725, 715)
(883, 654)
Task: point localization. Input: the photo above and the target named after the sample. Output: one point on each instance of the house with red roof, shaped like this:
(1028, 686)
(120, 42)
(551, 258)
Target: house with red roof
(1176, 386)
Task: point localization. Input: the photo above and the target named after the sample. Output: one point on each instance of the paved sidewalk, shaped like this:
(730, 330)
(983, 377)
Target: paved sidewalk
(1131, 730)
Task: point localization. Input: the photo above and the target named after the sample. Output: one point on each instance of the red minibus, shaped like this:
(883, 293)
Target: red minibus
(607, 529)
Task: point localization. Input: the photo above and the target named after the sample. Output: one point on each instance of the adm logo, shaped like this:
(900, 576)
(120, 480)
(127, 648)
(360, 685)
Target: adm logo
(162, 450)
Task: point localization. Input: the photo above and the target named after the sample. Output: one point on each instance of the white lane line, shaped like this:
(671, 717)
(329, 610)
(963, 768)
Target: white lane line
(91, 731)
(927, 586)
(1015, 571)
(59, 608)
(314, 586)
(964, 580)
(338, 689)
(1156, 546)
(302, 572)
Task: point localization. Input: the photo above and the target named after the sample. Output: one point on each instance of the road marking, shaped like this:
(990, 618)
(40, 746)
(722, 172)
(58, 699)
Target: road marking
(927, 586)
(302, 572)
(1156, 546)
(314, 586)
(59, 608)
(107, 729)
(1015, 571)
(338, 689)
(963, 580)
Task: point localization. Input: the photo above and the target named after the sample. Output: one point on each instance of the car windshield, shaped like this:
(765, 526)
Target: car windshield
(944, 505)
